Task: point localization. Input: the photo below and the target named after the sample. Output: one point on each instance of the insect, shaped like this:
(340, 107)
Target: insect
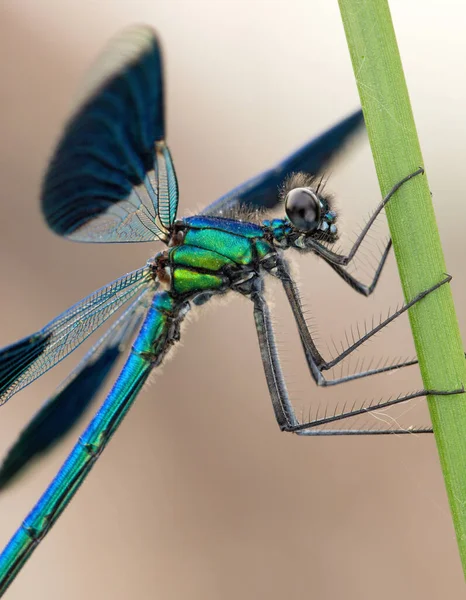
(112, 179)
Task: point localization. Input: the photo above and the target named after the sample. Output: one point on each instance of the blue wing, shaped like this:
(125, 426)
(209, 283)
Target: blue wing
(26, 360)
(262, 190)
(111, 178)
(59, 414)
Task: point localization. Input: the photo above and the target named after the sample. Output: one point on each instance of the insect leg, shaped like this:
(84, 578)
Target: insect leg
(312, 427)
(314, 359)
(284, 412)
(345, 259)
(358, 286)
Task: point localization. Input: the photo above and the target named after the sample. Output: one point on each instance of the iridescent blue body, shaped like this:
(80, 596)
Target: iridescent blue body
(112, 179)
(211, 254)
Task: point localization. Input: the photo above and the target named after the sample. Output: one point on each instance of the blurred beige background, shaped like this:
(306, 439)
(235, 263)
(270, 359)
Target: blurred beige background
(199, 495)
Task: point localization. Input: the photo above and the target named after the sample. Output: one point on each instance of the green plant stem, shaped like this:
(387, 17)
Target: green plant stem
(395, 146)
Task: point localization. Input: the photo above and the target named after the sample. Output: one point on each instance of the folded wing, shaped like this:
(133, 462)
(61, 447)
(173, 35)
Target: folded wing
(65, 407)
(26, 360)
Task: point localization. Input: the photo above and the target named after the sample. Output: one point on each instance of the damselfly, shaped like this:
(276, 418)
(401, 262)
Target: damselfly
(112, 179)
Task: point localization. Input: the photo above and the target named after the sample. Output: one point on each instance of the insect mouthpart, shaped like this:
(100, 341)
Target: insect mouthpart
(327, 226)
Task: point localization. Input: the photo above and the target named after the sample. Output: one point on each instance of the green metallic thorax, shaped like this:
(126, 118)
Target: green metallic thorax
(213, 252)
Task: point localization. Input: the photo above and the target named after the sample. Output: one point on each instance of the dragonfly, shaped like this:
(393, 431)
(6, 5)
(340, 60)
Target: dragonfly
(112, 179)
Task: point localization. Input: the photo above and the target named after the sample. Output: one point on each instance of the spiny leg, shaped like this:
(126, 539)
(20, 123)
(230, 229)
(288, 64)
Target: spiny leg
(314, 359)
(359, 286)
(284, 412)
(330, 364)
(278, 267)
(310, 428)
(312, 354)
(345, 259)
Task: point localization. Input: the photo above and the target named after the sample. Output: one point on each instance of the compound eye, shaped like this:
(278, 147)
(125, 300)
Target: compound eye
(302, 207)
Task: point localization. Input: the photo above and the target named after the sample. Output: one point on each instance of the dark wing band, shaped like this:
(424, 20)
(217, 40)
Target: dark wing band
(262, 191)
(111, 178)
